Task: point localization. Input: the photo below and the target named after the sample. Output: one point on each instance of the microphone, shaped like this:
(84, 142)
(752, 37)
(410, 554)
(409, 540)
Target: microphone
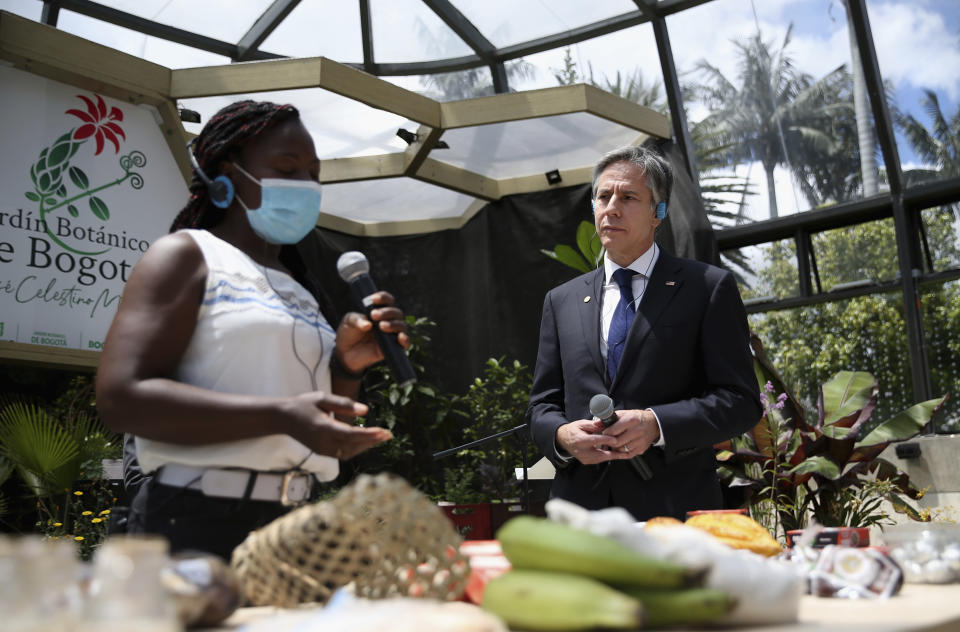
(601, 407)
(355, 270)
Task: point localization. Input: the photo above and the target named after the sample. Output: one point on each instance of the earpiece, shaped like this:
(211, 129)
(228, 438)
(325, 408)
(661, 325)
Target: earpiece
(661, 210)
(220, 188)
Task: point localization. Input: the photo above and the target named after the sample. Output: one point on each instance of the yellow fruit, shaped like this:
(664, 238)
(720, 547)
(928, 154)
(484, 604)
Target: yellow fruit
(737, 531)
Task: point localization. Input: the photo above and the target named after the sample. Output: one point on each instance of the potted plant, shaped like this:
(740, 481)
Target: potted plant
(494, 404)
(827, 469)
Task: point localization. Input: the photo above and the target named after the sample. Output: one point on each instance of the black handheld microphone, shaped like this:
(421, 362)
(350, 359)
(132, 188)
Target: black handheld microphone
(355, 270)
(601, 407)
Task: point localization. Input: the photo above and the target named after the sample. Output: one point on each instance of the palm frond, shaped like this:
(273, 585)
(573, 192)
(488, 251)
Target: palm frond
(42, 450)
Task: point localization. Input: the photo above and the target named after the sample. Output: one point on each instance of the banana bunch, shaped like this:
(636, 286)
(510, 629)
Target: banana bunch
(567, 579)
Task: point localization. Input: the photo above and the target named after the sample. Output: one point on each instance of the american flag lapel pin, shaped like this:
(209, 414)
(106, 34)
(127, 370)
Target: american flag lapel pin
(586, 299)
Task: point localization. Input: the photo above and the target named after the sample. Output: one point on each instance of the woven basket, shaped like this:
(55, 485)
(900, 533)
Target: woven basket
(378, 532)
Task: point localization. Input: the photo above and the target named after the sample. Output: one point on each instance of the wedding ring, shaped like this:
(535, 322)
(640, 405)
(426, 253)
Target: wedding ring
(625, 449)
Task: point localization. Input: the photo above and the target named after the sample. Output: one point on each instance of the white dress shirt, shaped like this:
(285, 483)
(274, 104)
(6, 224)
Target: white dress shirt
(610, 296)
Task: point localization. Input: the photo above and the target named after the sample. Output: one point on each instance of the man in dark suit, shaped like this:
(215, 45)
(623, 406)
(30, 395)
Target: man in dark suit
(666, 339)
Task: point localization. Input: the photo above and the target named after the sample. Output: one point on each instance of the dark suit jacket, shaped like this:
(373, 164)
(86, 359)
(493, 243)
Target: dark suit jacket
(687, 357)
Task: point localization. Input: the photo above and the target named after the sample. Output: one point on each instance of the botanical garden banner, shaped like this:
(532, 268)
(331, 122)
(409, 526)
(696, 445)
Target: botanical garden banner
(87, 183)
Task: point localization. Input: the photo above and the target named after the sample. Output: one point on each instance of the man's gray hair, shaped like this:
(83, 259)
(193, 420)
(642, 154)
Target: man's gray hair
(658, 171)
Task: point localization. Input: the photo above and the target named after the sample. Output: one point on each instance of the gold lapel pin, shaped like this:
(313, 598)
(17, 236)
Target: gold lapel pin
(586, 299)
(671, 282)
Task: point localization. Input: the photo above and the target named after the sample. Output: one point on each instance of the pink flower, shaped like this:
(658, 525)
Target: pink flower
(98, 123)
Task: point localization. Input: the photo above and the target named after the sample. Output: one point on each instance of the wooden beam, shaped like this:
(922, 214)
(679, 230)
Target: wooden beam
(313, 72)
(518, 106)
(49, 357)
(529, 184)
(514, 106)
(176, 137)
(457, 179)
(613, 108)
(419, 150)
(52, 53)
(362, 168)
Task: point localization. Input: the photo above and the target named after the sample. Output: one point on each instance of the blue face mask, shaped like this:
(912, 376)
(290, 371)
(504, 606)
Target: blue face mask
(288, 208)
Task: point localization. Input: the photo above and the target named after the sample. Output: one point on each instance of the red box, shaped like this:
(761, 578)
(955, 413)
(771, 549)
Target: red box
(841, 536)
(471, 521)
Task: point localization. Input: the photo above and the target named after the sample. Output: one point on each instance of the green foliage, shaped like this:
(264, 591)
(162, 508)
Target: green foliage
(420, 416)
(811, 343)
(828, 468)
(495, 402)
(425, 420)
(78, 515)
(939, 146)
(56, 447)
(589, 250)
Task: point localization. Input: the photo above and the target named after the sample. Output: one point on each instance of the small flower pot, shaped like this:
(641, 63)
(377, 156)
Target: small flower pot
(472, 521)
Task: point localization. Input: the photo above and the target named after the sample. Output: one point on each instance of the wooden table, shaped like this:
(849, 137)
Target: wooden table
(917, 608)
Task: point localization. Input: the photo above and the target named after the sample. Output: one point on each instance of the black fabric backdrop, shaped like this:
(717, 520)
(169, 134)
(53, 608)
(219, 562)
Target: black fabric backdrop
(484, 283)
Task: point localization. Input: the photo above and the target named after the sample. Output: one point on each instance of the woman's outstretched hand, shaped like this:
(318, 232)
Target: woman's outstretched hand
(314, 425)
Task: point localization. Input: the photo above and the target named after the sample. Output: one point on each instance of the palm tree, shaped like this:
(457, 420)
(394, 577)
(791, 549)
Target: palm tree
(774, 107)
(939, 146)
(866, 135)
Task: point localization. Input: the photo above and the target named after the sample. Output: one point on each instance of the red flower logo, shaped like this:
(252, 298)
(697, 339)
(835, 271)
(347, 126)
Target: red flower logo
(97, 123)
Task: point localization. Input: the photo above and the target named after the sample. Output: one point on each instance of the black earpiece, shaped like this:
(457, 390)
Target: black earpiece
(220, 188)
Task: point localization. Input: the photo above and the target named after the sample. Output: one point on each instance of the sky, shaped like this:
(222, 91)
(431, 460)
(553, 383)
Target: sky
(917, 42)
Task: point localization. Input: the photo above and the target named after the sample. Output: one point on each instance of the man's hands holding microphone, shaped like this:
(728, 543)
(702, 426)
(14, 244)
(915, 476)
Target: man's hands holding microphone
(588, 441)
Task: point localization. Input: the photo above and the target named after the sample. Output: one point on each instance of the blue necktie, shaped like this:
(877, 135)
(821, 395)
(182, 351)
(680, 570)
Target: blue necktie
(622, 319)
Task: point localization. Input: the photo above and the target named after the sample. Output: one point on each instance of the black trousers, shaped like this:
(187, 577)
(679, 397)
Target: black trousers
(192, 521)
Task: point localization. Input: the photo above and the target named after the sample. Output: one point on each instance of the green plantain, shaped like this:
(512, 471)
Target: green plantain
(681, 607)
(537, 543)
(559, 602)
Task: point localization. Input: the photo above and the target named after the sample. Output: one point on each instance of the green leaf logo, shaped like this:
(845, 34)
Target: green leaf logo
(79, 178)
(99, 208)
(50, 188)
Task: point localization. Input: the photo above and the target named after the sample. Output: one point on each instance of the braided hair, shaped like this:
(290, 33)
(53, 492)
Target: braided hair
(229, 130)
(226, 132)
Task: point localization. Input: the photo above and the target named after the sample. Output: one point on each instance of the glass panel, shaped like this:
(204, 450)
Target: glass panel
(408, 31)
(624, 63)
(341, 127)
(853, 255)
(506, 22)
(764, 273)
(531, 146)
(942, 229)
(941, 326)
(152, 49)
(919, 54)
(225, 20)
(393, 200)
(808, 345)
(770, 100)
(24, 8)
(330, 29)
